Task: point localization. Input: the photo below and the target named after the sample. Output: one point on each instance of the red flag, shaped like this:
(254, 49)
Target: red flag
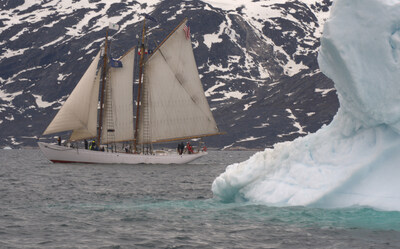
(139, 53)
(187, 31)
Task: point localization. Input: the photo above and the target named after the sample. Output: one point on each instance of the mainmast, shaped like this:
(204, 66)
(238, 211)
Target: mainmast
(104, 73)
(142, 49)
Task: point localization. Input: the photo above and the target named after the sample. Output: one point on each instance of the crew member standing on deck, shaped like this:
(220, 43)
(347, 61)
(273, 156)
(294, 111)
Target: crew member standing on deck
(189, 148)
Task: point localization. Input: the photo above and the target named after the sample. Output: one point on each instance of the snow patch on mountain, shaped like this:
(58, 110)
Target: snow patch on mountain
(42, 104)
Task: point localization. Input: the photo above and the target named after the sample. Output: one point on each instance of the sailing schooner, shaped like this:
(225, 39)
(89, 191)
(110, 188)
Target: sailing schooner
(170, 106)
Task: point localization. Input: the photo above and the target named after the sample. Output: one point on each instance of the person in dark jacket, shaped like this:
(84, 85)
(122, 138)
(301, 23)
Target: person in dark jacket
(181, 147)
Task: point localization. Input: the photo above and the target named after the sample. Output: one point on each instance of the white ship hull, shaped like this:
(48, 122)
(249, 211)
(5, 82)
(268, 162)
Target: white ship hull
(62, 154)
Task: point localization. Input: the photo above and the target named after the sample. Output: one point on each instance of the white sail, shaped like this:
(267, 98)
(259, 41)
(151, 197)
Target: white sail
(90, 130)
(79, 112)
(177, 106)
(118, 111)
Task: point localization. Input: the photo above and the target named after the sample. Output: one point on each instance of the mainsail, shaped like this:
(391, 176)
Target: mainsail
(79, 112)
(173, 104)
(118, 109)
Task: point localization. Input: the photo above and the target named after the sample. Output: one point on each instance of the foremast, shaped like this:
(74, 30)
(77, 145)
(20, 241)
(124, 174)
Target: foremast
(142, 51)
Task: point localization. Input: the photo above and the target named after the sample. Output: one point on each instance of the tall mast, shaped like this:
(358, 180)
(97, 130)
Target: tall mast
(140, 85)
(102, 90)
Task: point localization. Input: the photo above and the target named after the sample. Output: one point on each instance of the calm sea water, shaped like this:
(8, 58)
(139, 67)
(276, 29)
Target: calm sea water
(45, 205)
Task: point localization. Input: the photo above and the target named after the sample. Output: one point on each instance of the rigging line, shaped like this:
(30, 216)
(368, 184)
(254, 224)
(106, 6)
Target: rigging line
(181, 83)
(165, 39)
(127, 52)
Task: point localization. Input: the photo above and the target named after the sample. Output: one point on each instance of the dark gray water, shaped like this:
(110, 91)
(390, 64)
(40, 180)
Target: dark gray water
(45, 205)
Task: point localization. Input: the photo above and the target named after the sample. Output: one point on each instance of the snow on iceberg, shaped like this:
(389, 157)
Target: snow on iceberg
(355, 160)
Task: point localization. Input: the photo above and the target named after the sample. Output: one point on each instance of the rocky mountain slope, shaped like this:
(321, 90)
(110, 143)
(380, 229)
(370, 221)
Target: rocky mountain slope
(257, 60)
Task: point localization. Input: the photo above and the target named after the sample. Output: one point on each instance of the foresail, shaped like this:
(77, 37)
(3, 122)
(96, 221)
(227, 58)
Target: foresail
(177, 106)
(118, 109)
(79, 112)
(91, 129)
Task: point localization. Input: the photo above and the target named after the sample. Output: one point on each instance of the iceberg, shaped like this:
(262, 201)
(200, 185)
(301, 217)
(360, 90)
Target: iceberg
(355, 160)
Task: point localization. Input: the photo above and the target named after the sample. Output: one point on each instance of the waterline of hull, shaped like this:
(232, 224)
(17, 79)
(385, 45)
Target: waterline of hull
(62, 154)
